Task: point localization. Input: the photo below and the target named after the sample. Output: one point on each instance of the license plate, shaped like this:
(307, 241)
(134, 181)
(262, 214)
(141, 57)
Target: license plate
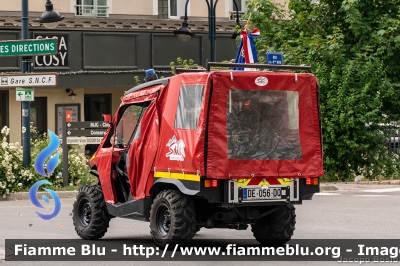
(263, 193)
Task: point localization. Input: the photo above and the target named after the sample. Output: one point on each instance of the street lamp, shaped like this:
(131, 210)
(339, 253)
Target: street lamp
(50, 18)
(26, 67)
(184, 33)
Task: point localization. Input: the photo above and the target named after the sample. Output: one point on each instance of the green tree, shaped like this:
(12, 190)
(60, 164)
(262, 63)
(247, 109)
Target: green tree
(353, 47)
(183, 63)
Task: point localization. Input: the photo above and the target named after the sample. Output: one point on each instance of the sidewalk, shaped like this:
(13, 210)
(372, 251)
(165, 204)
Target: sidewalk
(338, 187)
(25, 195)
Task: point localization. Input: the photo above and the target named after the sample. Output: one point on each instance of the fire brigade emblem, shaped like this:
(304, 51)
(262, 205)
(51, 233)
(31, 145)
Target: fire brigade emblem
(176, 149)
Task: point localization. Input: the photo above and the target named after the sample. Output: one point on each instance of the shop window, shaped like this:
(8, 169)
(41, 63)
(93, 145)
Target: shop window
(189, 106)
(38, 114)
(34, 116)
(91, 8)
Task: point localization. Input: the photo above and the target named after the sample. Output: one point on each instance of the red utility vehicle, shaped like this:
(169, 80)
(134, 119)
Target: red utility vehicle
(213, 149)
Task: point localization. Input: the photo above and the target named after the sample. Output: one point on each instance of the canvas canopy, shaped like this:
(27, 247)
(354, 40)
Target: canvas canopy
(257, 124)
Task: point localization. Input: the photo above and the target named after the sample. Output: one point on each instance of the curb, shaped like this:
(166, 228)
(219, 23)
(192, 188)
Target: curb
(331, 187)
(376, 182)
(383, 182)
(25, 195)
(328, 188)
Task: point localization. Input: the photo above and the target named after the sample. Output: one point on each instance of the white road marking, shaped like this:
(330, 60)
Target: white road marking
(382, 190)
(327, 194)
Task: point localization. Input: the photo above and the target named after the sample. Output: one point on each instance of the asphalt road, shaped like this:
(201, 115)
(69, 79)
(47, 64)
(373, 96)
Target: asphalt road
(351, 212)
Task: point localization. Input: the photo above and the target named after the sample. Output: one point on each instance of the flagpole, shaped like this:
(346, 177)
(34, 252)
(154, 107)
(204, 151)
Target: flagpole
(247, 52)
(246, 27)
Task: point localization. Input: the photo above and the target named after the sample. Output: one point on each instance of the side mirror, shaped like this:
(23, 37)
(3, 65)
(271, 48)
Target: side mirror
(107, 118)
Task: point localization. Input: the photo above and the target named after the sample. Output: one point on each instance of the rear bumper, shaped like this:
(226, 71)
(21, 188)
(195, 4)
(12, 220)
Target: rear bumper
(233, 193)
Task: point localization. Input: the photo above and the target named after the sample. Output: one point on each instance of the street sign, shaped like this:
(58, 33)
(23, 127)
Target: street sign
(84, 140)
(28, 80)
(86, 132)
(88, 124)
(24, 94)
(274, 58)
(68, 115)
(29, 47)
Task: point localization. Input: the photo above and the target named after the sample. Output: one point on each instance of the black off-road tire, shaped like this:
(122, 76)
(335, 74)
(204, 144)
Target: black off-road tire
(277, 228)
(89, 213)
(196, 231)
(172, 218)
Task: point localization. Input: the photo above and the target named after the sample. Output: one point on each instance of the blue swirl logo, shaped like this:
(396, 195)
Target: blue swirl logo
(45, 153)
(39, 167)
(35, 201)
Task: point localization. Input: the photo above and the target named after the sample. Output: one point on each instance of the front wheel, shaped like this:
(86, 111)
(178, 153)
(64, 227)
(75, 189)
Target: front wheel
(172, 218)
(89, 213)
(276, 228)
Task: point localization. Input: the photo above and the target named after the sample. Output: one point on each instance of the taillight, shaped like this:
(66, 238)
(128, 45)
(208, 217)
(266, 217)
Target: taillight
(312, 181)
(210, 183)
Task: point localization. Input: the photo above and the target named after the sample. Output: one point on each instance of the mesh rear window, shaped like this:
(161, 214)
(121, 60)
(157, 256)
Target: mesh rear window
(263, 125)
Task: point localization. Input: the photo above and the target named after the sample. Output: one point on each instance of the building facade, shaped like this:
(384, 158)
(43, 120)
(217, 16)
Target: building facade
(102, 46)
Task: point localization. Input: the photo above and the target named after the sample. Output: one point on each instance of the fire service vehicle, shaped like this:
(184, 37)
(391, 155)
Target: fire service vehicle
(208, 149)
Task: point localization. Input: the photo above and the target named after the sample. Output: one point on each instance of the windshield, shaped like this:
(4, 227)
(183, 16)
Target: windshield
(129, 124)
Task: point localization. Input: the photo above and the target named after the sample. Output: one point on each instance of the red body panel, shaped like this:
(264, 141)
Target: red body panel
(194, 146)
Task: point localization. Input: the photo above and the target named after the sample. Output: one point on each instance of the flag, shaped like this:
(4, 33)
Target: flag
(247, 52)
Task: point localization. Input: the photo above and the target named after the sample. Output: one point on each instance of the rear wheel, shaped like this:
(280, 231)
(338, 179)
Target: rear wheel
(172, 218)
(89, 213)
(276, 228)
